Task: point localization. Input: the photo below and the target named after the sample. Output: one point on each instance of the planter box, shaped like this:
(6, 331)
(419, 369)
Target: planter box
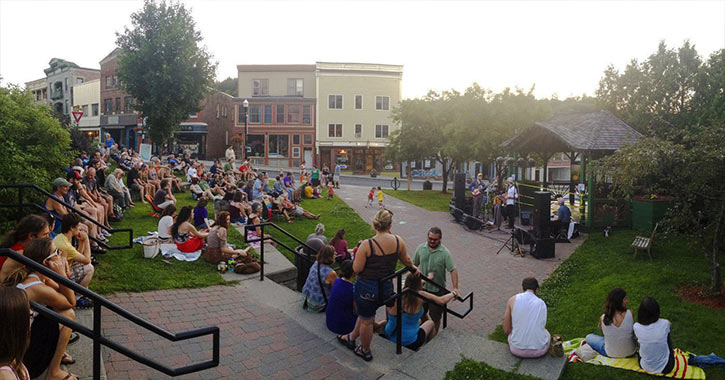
(646, 213)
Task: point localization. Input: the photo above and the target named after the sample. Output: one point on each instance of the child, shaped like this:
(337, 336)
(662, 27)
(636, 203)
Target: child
(370, 197)
(330, 192)
(380, 197)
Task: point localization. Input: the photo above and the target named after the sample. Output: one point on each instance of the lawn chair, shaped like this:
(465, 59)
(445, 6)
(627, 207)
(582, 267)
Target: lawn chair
(644, 243)
(156, 210)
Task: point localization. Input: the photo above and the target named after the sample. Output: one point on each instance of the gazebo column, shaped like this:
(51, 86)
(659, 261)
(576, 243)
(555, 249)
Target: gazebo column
(545, 156)
(572, 186)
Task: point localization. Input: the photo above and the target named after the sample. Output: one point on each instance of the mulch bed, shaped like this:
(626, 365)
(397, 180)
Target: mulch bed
(701, 296)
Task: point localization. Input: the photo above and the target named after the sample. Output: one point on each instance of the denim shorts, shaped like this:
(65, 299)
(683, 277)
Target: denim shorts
(368, 297)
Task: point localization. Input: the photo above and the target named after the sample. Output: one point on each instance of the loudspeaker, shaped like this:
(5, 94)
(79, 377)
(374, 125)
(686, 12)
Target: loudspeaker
(542, 209)
(544, 248)
(522, 236)
(459, 190)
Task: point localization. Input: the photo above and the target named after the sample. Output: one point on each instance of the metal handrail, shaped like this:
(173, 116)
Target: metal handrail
(21, 204)
(96, 334)
(399, 307)
(262, 239)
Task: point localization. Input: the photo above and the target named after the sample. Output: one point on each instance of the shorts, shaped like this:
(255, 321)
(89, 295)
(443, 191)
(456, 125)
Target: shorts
(298, 211)
(369, 296)
(77, 272)
(434, 311)
(419, 342)
(134, 186)
(315, 182)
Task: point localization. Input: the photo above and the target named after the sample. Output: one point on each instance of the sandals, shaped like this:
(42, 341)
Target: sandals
(70, 376)
(347, 342)
(367, 356)
(67, 359)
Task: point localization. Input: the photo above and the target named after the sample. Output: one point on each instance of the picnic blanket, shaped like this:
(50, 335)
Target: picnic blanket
(682, 369)
(171, 250)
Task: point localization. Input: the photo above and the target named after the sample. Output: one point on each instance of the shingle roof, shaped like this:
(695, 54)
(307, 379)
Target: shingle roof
(582, 131)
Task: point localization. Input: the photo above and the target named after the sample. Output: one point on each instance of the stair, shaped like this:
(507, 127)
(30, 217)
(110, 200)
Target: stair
(82, 350)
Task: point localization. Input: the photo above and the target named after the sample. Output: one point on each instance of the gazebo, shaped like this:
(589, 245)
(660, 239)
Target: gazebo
(585, 135)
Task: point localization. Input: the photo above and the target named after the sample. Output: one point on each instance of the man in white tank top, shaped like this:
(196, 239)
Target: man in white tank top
(525, 322)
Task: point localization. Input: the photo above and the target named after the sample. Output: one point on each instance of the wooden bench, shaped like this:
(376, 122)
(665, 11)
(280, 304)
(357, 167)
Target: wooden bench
(644, 243)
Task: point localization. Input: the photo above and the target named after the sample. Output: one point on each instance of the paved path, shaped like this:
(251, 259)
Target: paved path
(493, 278)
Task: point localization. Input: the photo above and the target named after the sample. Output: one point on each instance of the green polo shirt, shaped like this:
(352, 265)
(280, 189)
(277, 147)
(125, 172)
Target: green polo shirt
(438, 261)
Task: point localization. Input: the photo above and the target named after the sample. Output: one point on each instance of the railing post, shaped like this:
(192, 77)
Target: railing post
(261, 254)
(445, 315)
(97, 341)
(399, 308)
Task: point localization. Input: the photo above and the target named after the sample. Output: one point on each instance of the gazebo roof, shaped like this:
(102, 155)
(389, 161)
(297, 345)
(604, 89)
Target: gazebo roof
(575, 132)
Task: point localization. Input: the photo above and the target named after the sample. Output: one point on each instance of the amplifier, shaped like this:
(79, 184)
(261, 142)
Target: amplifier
(544, 248)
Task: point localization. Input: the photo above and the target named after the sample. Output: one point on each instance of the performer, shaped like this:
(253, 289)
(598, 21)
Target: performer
(477, 188)
(511, 196)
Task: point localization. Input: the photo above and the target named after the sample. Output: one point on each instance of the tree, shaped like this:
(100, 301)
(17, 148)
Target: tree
(164, 66)
(228, 86)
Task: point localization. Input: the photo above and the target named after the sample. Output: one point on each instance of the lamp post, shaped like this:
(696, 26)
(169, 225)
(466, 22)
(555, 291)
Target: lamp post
(246, 116)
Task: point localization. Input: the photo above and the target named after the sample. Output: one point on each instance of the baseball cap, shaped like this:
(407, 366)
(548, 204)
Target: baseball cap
(58, 182)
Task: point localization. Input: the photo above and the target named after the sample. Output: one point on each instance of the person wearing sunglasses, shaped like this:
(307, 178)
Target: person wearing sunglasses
(48, 339)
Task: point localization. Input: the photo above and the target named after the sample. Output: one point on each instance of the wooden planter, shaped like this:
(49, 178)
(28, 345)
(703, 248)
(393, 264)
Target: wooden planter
(646, 213)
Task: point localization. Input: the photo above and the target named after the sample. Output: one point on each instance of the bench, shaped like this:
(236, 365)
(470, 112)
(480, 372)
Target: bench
(644, 243)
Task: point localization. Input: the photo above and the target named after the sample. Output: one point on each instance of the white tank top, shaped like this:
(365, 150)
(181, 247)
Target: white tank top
(529, 322)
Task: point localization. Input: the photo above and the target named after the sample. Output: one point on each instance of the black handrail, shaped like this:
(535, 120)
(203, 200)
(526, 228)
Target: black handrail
(96, 334)
(21, 204)
(262, 239)
(399, 308)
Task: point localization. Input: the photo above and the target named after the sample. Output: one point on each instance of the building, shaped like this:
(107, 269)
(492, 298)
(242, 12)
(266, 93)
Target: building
(117, 115)
(281, 114)
(207, 133)
(87, 99)
(354, 116)
(60, 78)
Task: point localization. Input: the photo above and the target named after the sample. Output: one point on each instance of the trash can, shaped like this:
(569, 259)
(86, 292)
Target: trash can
(427, 185)
(303, 262)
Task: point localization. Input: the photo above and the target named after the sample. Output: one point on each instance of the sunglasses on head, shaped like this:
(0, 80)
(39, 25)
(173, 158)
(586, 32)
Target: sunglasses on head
(55, 253)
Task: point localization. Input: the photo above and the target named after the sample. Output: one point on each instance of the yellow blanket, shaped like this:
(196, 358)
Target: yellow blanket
(682, 370)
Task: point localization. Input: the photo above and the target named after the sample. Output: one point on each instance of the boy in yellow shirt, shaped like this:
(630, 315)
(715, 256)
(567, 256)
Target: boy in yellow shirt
(81, 269)
(380, 197)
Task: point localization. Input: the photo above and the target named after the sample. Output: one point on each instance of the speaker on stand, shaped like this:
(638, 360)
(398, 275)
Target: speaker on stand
(459, 190)
(542, 210)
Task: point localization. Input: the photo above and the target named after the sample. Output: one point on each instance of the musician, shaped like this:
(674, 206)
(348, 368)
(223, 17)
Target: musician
(511, 196)
(563, 216)
(477, 188)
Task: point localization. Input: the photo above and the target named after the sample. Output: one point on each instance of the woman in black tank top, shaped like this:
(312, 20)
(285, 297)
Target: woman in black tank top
(374, 261)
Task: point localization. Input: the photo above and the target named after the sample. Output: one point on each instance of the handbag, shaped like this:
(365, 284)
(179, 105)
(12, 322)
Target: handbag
(322, 289)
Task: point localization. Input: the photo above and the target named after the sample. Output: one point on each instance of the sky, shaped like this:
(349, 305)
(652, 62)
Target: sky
(561, 47)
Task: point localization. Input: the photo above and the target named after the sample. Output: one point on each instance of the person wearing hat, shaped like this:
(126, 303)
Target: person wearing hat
(511, 196)
(477, 188)
(55, 208)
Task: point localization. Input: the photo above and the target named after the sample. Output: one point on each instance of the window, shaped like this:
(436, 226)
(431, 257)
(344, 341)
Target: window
(280, 114)
(278, 146)
(334, 102)
(268, 114)
(254, 113)
(381, 131)
(109, 81)
(382, 103)
(224, 111)
(255, 144)
(128, 103)
(79, 80)
(240, 119)
(115, 81)
(295, 87)
(107, 104)
(94, 109)
(118, 105)
(296, 139)
(358, 131)
(296, 150)
(334, 130)
(293, 113)
(306, 113)
(308, 139)
(358, 102)
(85, 110)
(260, 87)
(194, 115)
(218, 110)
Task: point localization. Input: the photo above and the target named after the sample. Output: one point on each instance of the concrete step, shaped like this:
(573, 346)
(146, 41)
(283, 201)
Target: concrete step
(276, 267)
(82, 350)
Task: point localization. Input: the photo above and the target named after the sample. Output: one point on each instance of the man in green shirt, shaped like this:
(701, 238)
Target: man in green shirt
(433, 260)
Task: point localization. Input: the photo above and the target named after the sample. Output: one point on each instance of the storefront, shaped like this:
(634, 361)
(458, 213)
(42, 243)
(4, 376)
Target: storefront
(361, 160)
(191, 138)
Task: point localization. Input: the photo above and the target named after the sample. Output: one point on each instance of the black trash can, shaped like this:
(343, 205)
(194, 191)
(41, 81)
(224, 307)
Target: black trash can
(427, 185)
(303, 262)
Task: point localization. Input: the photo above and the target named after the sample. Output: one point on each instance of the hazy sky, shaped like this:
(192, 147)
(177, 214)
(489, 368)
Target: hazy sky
(562, 47)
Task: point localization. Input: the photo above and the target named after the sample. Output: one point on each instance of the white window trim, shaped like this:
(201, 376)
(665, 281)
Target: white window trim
(376, 103)
(342, 101)
(342, 127)
(295, 152)
(381, 131)
(295, 91)
(362, 103)
(355, 131)
(260, 86)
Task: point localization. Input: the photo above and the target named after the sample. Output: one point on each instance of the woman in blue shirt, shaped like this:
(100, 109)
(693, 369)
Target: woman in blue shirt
(340, 315)
(413, 335)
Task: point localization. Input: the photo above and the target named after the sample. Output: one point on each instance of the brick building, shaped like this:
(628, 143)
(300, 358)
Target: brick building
(117, 115)
(207, 133)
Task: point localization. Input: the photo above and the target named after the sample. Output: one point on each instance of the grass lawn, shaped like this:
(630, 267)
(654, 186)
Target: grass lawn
(469, 369)
(127, 269)
(334, 214)
(576, 292)
(431, 200)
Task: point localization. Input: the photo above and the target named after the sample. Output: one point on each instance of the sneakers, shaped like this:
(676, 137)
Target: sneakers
(84, 303)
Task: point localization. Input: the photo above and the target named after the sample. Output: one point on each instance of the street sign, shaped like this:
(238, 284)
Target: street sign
(77, 115)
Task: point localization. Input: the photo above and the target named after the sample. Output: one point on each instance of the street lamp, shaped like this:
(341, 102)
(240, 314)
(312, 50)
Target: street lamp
(246, 116)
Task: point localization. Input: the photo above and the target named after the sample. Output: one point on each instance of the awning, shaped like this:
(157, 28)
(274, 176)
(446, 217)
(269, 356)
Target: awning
(192, 128)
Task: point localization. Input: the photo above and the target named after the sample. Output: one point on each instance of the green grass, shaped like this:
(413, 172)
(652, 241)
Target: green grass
(127, 270)
(431, 200)
(334, 214)
(468, 369)
(576, 292)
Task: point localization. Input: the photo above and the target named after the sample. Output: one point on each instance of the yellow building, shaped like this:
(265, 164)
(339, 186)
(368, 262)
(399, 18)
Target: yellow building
(87, 97)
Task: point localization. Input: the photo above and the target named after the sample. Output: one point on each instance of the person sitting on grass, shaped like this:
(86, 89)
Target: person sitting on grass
(29, 228)
(165, 172)
(164, 196)
(215, 191)
(48, 339)
(319, 280)
(239, 209)
(255, 233)
(79, 259)
(217, 248)
(616, 323)
(200, 214)
(165, 223)
(340, 244)
(187, 238)
(309, 192)
(15, 334)
(413, 335)
(319, 233)
(340, 315)
(525, 322)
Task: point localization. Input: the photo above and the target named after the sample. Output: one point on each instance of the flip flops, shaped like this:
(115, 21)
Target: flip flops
(347, 342)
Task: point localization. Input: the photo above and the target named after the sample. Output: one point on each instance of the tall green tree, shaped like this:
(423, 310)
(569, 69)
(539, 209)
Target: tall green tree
(164, 65)
(228, 86)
